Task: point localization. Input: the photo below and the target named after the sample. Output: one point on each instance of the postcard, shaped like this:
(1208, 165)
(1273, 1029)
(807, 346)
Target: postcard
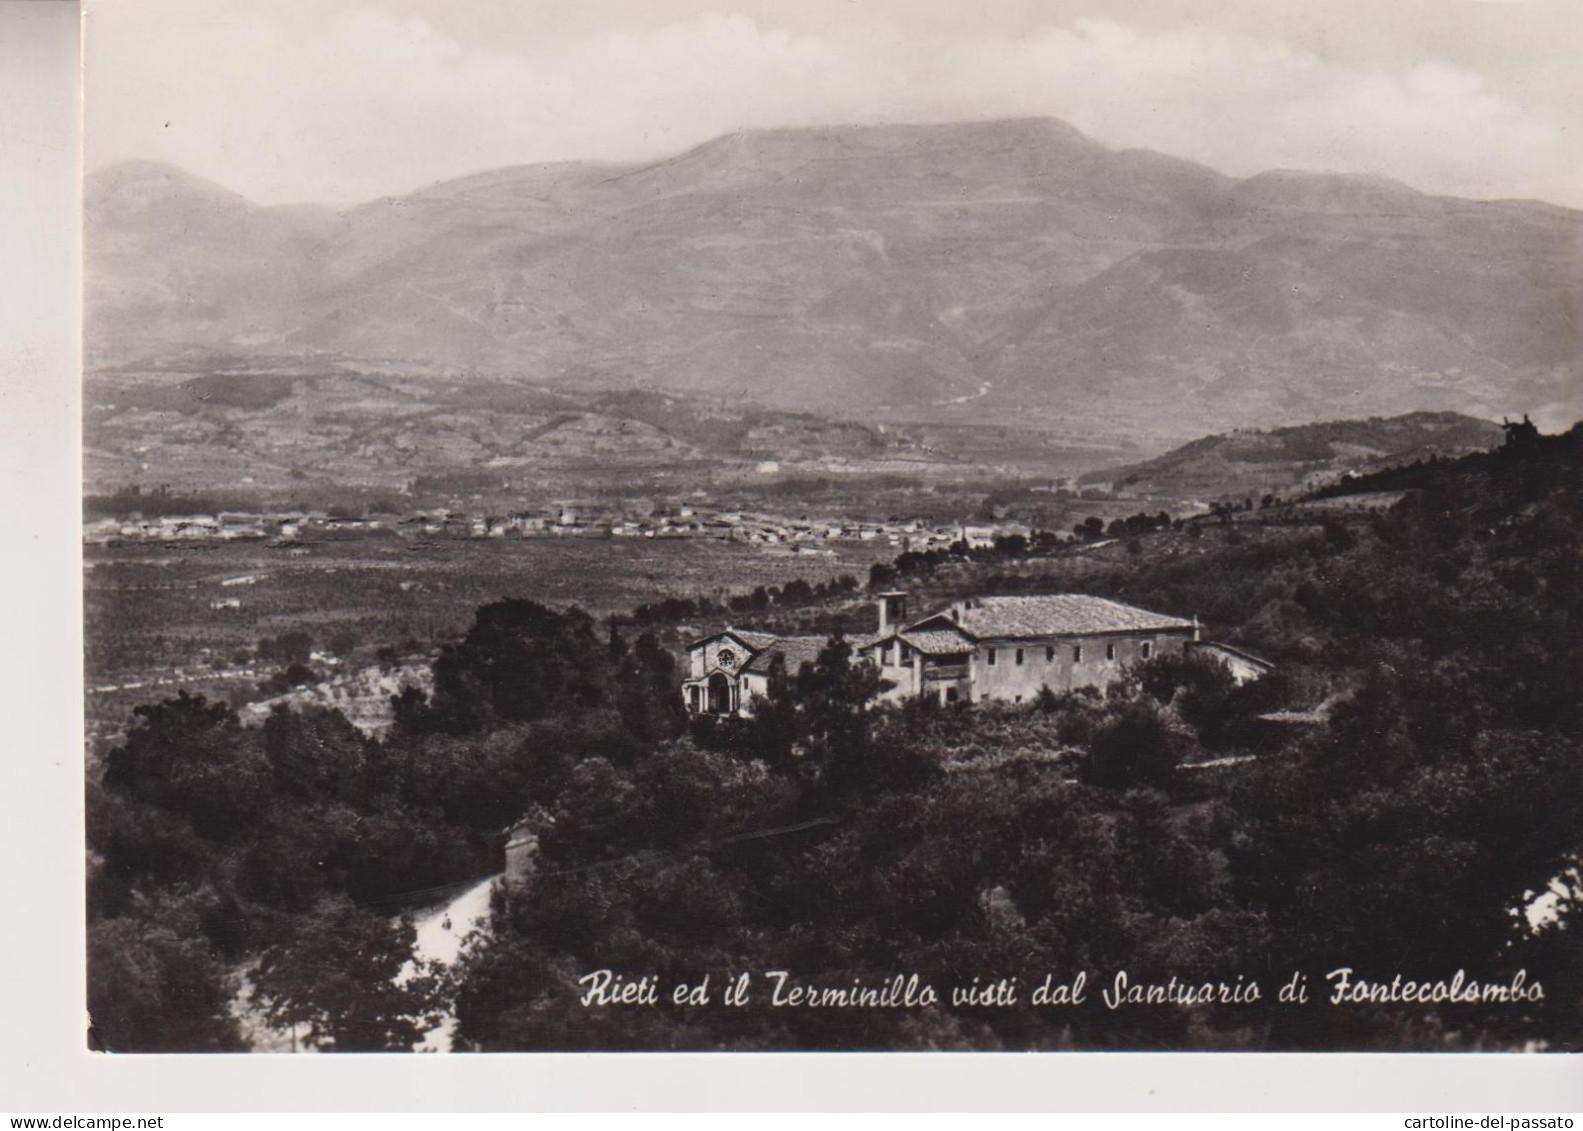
(832, 527)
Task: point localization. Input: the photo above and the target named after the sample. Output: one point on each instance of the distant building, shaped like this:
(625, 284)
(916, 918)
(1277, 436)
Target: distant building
(977, 537)
(1244, 666)
(521, 846)
(1004, 649)
(1010, 649)
(729, 671)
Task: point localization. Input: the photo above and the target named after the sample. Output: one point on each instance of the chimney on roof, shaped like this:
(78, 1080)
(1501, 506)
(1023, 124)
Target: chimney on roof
(892, 610)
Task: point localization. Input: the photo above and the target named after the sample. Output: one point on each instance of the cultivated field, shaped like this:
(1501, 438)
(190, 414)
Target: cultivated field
(160, 618)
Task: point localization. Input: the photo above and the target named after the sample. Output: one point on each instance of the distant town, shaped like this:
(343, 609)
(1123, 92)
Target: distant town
(557, 521)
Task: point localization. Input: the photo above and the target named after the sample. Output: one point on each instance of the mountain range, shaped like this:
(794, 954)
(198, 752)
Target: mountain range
(993, 272)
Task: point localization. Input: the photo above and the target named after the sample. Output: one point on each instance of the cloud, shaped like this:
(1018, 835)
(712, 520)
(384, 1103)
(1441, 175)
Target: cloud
(1244, 105)
(372, 101)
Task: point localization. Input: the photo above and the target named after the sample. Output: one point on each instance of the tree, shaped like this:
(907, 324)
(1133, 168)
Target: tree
(1338, 537)
(192, 757)
(521, 661)
(646, 694)
(294, 647)
(796, 592)
(834, 696)
(339, 984)
(1205, 695)
(1091, 528)
(156, 985)
(313, 752)
(1135, 748)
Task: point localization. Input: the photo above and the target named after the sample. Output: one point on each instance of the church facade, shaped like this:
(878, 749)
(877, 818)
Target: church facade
(729, 671)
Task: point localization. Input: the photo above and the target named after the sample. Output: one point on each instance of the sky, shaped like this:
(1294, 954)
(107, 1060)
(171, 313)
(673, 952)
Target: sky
(338, 101)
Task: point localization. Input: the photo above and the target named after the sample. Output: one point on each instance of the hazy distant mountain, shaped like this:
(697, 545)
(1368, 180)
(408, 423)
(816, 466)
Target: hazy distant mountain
(1254, 461)
(999, 271)
(271, 434)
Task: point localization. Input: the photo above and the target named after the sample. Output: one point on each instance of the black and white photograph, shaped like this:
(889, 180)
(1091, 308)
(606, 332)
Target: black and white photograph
(828, 526)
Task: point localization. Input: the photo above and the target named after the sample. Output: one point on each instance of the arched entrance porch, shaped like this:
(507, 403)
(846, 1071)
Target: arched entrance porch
(720, 696)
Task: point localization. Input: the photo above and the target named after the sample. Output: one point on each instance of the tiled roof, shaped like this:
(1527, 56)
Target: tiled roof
(1217, 646)
(798, 650)
(937, 641)
(1066, 614)
(754, 641)
(757, 641)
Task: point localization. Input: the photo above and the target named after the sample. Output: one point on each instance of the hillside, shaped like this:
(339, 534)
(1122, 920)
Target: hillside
(992, 272)
(1391, 797)
(276, 432)
(1253, 461)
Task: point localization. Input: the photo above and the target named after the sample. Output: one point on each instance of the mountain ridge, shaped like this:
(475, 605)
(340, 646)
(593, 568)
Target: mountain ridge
(1253, 462)
(999, 271)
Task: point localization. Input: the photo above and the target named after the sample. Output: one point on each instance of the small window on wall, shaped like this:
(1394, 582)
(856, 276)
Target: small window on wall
(991, 658)
(1110, 651)
(906, 654)
(1077, 653)
(950, 695)
(1019, 655)
(1049, 654)
(1148, 649)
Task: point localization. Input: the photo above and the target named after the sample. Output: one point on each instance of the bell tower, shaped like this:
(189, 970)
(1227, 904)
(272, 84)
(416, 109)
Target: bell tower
(892, 610)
